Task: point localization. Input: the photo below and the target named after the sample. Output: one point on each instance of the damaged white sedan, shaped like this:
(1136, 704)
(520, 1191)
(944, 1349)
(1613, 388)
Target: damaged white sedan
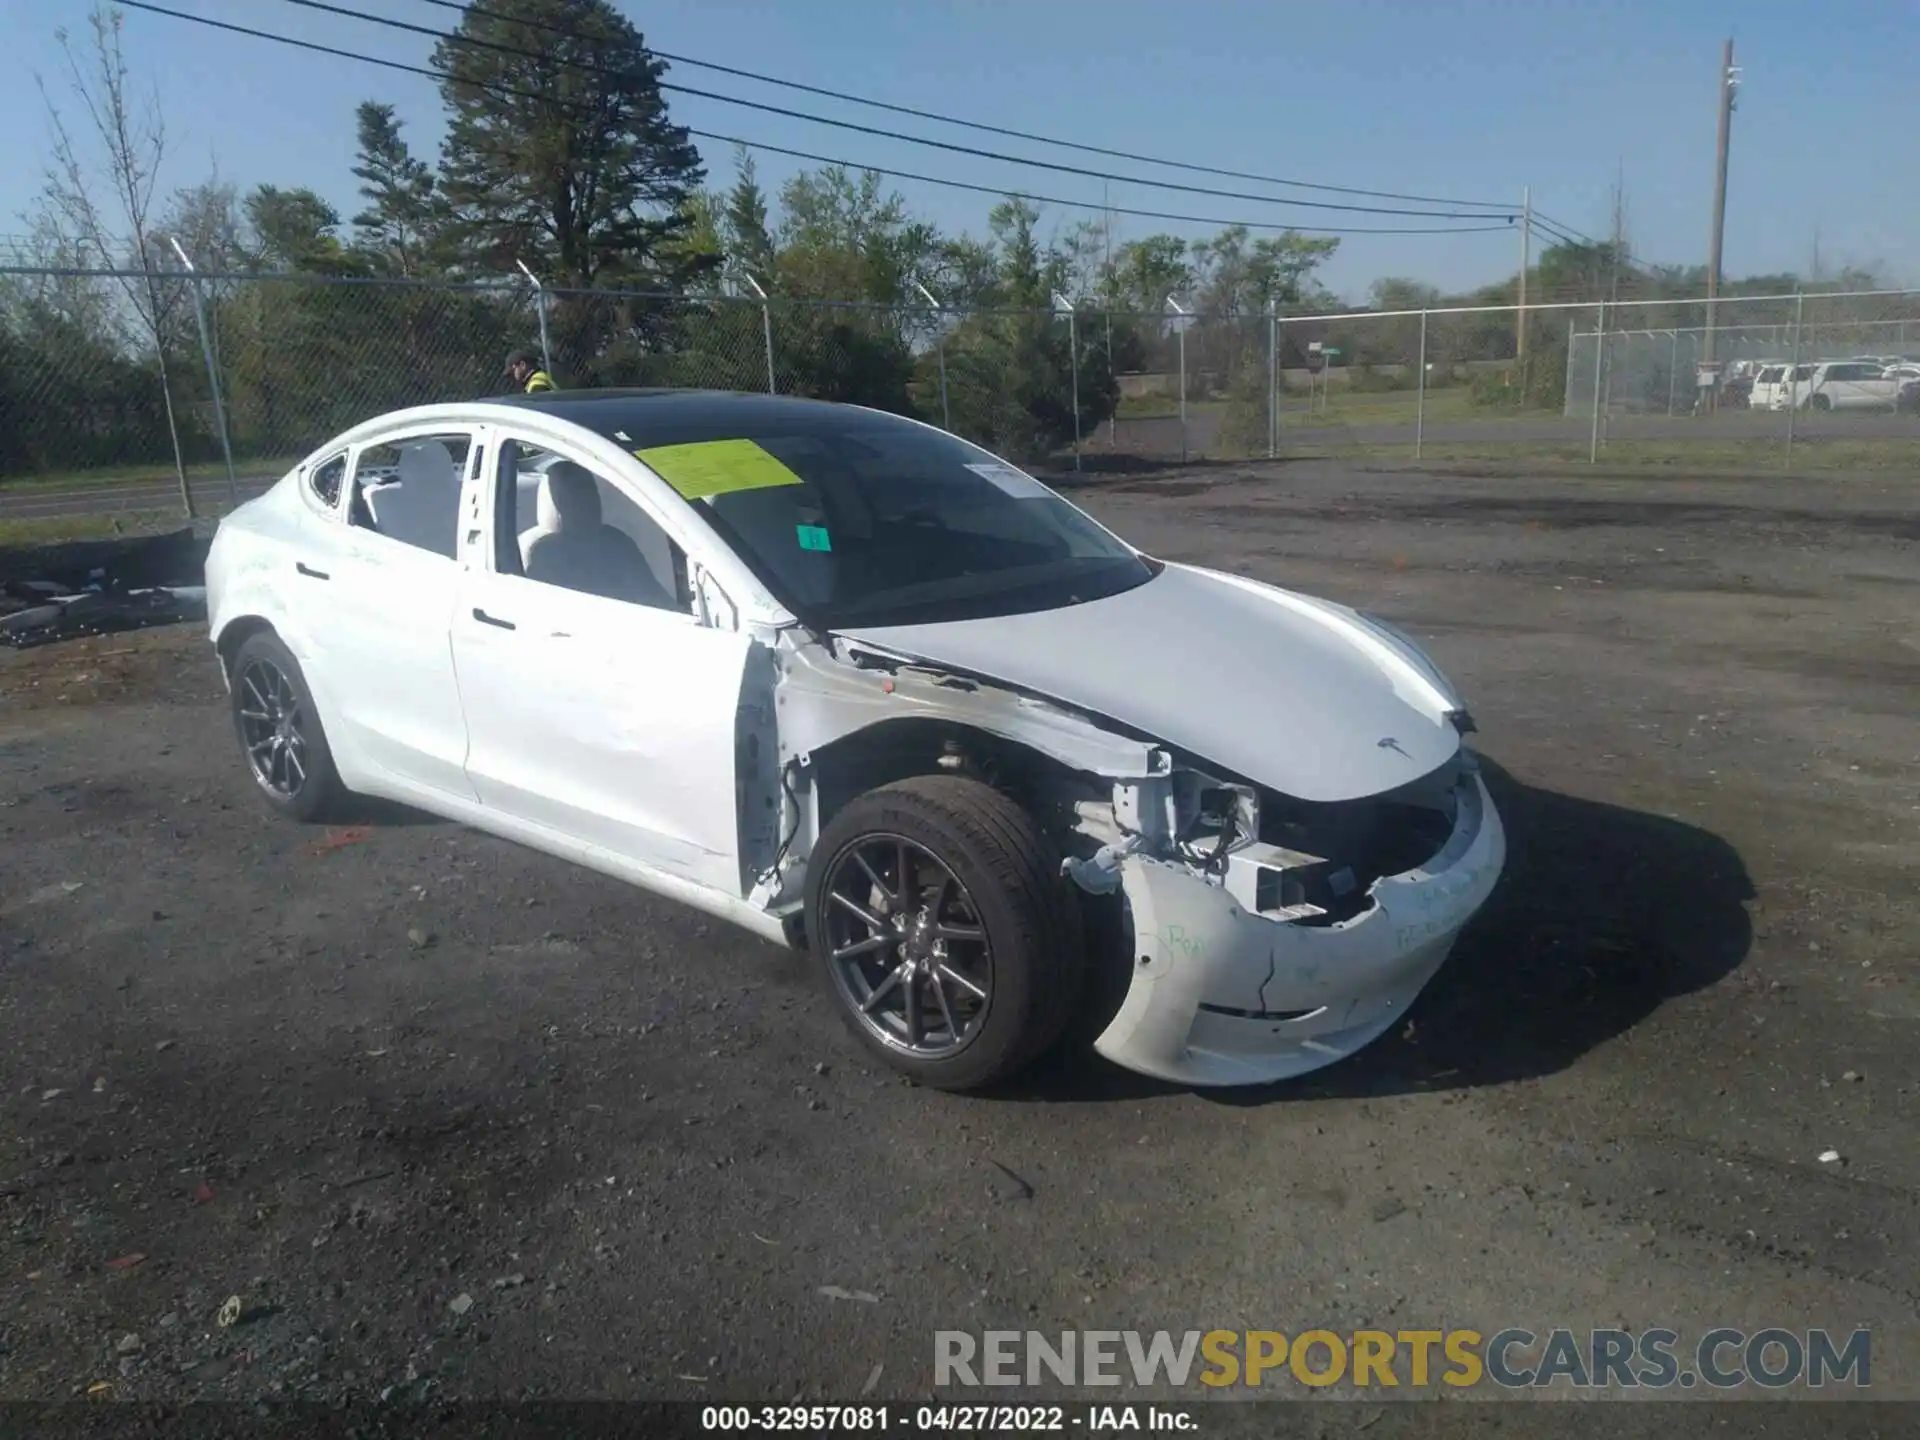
(868, 691)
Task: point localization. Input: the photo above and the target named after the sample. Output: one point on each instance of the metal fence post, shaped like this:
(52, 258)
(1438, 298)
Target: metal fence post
(1273, 378)
(1180, 328)
(1113, 418)
(1599, 339)
(766, 326)
(946, 412)
(1062, 304)
(1606, 385)
(1793, 373)
(540, 315)
(213, 376)
(1183, 394)
(940, 351)
(1673, 367)
(766, 332)
(1073, 346)
(1572, 327)
(1420, 394)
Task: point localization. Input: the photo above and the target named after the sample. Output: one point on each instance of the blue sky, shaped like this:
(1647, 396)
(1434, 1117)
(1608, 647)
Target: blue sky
(1471, 98)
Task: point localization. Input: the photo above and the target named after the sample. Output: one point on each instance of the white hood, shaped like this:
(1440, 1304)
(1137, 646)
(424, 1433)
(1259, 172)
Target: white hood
(1297, 694)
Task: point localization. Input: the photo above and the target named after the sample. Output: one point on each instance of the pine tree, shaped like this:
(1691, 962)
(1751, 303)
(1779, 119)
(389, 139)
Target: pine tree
(397, 227)
(749, 238)
(559, 152)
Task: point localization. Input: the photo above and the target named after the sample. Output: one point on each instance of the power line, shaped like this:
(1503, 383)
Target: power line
(421, 70)
(784, 112)
(1578, 239)
(1562, 231)
(1194, 166)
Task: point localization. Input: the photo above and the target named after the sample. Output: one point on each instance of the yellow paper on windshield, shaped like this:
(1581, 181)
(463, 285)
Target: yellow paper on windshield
(716, 467)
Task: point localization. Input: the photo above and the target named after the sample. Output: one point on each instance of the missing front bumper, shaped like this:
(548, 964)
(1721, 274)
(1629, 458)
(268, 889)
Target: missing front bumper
(1223, 996)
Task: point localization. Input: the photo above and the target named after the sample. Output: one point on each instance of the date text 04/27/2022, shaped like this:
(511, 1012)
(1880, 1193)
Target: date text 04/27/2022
(945, 1419)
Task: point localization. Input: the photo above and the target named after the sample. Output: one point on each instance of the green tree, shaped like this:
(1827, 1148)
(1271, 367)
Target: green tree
(398, 225)
(1145, 271)
(1011, 369)
(297, 230)
(1237, 279)
(699, 250)
(559, 151)
(1237, 275)
(748, 236)
(845, 237)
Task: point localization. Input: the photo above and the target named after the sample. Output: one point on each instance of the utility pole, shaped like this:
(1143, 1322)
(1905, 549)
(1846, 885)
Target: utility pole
(1619, 230)
(1526, 259)
(1615, 260)
(1106, 287)
(1729, 82)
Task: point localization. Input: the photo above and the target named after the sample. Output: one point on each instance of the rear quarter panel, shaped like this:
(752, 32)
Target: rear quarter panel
(250, 559)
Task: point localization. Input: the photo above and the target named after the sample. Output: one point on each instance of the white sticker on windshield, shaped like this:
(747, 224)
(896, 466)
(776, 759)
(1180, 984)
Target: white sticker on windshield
(1016, 483)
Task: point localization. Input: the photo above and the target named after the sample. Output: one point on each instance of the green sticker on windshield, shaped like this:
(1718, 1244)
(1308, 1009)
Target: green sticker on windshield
(716, 467)
(813, 537)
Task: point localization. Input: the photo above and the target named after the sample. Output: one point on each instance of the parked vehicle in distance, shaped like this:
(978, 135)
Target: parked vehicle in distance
(1737, 389)
(1908, 401)
(1769, 385)
(868, 691)
(1846, 385)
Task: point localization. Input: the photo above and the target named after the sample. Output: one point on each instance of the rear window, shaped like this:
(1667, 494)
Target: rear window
(1771, 375)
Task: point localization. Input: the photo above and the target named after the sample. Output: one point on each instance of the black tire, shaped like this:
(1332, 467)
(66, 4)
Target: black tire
(1821, 402)
(1009, 889)
(266, 681)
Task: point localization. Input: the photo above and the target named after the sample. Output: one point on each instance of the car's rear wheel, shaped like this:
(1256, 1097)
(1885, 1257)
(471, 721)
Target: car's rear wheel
(947, 937)
(1823, 402)
(279, 731)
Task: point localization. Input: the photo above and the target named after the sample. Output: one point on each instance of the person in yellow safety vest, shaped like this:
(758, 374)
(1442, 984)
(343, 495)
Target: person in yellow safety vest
(525, 372)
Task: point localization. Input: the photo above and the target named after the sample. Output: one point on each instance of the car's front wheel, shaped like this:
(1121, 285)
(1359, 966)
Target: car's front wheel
(279, 731)
(949, 940)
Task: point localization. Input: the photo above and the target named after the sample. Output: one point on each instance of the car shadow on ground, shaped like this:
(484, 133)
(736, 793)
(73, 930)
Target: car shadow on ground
(1603, 915)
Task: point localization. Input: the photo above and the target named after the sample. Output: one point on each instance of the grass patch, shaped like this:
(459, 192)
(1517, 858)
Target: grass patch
(52, 529)
(1162, 407)
(121, 475)
(1393, 407)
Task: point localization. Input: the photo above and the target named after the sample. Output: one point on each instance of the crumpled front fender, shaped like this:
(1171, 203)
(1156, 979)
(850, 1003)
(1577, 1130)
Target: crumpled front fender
(1221, 996)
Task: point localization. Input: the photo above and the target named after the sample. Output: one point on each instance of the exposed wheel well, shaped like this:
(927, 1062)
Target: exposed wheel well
(236, 634)
(900, 749)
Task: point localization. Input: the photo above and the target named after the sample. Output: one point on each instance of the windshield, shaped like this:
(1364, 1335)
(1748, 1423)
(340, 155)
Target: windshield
(866, 519)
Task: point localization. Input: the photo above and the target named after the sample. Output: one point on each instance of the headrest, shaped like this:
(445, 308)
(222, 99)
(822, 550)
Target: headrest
(569, 498)
(428, 462)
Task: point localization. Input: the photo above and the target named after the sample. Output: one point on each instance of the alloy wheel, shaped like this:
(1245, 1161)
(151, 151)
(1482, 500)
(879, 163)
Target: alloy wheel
(906, 946)
(272, 728)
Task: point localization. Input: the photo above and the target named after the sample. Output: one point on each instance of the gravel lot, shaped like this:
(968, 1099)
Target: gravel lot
(453, 1119)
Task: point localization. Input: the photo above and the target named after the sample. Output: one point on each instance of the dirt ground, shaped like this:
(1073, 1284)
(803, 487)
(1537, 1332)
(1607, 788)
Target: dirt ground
(453, 1119)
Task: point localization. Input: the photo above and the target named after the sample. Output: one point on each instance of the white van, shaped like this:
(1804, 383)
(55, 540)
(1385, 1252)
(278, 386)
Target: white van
(1847, 385)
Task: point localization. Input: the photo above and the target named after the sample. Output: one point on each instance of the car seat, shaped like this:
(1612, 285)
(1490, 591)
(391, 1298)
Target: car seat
(420, 506)
(569, 545)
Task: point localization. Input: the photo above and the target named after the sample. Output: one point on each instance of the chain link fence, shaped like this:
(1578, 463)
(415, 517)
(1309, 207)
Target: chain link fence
(210, 384)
